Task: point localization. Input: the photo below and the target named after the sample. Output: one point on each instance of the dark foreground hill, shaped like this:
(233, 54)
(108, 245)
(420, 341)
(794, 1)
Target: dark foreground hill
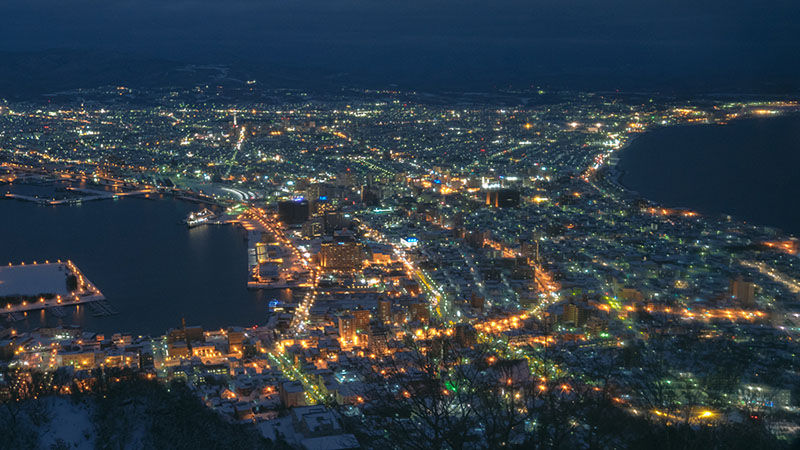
(134, 414)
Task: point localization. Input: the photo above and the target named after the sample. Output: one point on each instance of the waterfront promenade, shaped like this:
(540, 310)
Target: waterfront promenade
(294, 270)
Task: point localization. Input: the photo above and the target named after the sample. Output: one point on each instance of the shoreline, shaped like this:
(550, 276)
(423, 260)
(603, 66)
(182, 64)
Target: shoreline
(619, 176)
(253, 304)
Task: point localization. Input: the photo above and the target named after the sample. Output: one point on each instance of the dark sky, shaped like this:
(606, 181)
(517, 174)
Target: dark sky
(489, 41)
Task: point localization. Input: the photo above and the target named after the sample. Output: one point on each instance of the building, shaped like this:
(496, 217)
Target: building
(79, 359)
(262, 252)
(521, 270)
(378, 339)
(477, 302)
(335, 220)
(319, 428)
(476, 239)
(292, 394)
(346, 178)
(385, 310)
(370, 196)
(347, 327)
(465, 335)
(381, 254)
(743, 292)
(321, 192)
(178, 349)
(314, 227)
(362, 317)
(120, 358)
(419, 311)
(574, 314)
(341, 255)
(235, 341)
(631, 295)
(293, 212)
(411, 286)
(186, 334)
(502, 198)
(205, 350)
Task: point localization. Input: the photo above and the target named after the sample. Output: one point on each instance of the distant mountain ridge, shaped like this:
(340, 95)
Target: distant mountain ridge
(32, 74)
(36, 73)
(28, 75)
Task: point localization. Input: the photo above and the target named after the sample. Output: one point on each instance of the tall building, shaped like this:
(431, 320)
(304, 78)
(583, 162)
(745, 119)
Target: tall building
(341, 255)
(385, 310)
(293, 212)
(335, 220)
(370, 196)
(574, 314)
(378, 339)
(743, 291)
(314, 227)
(347, 327)
(235, 340)
(530, 249)
(502, 198)
(362, 317)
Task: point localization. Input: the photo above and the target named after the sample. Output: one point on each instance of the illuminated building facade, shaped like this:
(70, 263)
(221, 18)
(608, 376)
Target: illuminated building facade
(341, 255)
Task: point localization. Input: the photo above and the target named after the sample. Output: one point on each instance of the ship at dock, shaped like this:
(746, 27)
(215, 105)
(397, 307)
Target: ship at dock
(199, 218)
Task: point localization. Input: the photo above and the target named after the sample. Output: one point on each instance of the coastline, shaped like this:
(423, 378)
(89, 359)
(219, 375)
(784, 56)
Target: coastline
(138, 283)
(620, 171)
(617, 173)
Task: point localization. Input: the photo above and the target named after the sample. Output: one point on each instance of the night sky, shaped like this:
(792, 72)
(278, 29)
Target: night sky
(416, 41)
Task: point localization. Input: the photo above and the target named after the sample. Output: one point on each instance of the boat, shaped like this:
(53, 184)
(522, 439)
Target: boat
(199, 218)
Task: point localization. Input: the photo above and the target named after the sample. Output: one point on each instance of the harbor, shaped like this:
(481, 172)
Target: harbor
(200, 273)
(264, 269)
(273, 261)
(40, 187)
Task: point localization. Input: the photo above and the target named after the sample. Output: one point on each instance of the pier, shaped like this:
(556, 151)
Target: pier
(48, 282)
(88, 196)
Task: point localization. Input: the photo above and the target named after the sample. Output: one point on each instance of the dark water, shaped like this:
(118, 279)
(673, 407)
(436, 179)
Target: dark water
(149, 266)
(748, 169)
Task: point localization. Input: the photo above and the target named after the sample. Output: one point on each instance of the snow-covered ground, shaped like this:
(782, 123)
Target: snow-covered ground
(70, 423)
(31, 280)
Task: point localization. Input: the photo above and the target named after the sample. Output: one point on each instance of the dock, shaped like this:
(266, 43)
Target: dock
(88, 196)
